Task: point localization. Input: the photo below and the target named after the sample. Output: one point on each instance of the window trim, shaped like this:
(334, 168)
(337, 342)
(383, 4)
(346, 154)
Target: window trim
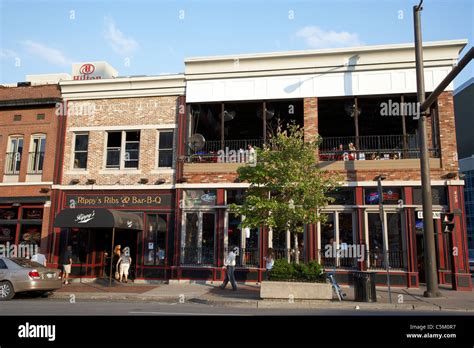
(34, 170)
(73, 148)
(123, 142)
(10, 150)
(157, 149)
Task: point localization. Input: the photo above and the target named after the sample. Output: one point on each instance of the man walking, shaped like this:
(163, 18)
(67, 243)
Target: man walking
(230, 264)
(67, 263)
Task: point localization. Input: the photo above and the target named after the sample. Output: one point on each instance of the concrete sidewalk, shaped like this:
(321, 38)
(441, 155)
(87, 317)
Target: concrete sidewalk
(248, 295)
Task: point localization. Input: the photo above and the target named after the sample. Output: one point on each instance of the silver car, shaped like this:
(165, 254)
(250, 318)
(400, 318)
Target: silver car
(23, 275)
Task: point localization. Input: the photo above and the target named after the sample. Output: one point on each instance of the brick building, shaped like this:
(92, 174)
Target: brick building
(347, 97)
(118, 170)
(28, 137)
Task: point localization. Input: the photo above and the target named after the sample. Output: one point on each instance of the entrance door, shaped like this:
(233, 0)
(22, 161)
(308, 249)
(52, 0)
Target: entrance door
(198, 238)
(124, 238)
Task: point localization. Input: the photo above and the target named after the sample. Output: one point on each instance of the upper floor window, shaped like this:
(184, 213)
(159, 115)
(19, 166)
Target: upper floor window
(123, 149)
(165, 149)
(36, 155)
(13, 157)
(81, 145)
(16, 118)
(40, 117)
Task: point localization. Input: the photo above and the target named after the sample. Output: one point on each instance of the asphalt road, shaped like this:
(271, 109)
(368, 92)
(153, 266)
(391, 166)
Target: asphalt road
(38, 306)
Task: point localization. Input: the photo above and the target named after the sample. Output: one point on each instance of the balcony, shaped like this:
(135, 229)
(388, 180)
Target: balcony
(371, 147)
(209, 152)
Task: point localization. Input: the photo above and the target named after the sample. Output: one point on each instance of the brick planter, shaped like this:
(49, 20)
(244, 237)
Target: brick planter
(295, 290)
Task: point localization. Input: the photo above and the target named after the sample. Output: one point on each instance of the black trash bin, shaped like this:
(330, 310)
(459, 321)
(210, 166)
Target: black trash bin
(364, 287)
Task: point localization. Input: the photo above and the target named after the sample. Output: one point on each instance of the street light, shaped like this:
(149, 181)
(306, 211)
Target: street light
(379, 179)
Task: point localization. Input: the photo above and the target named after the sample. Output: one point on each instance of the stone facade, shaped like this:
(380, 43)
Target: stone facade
(120, 114)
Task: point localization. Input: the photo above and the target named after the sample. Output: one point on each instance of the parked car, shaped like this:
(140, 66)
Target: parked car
(471, 260)
(18, 275)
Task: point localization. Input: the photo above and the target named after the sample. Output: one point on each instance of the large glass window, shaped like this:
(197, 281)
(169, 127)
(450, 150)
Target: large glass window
(36, 156)
(13, 156)
(81, 145)
(156, 239)
(165, 149)
(391, 195)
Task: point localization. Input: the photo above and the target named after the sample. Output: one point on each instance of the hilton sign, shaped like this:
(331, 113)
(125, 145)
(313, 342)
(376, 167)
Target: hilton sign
(93, 71)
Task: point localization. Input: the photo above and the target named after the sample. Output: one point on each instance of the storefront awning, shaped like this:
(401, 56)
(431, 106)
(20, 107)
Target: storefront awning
(98, 218)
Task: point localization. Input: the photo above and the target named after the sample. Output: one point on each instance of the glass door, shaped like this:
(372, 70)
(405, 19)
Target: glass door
(198, 238)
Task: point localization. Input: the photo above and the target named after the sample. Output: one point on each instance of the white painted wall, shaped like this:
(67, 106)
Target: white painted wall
(313, 85)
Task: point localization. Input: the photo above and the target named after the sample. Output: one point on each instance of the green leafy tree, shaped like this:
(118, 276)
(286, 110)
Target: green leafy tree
(287, 190)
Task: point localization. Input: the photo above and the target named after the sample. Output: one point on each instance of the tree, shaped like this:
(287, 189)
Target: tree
(287, 190)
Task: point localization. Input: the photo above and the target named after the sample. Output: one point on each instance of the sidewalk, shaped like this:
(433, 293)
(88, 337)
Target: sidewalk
(248, 295)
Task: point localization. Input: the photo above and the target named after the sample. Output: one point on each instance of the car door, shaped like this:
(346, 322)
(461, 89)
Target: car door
(3, 270)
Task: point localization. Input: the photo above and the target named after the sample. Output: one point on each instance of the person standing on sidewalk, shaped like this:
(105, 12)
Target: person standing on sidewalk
(230, 264)
(67, 263)
(124, 261)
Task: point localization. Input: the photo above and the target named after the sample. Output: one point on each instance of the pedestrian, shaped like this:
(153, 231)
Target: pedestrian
(38, 257)
(67, 263)
(269, 259)
(123, 264)
(230, 264)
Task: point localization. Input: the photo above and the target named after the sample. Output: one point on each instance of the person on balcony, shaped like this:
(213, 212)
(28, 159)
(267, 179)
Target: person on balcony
(353, 152)
(230, 264)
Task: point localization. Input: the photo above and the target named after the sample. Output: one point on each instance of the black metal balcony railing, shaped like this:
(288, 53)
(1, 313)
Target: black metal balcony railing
(371, 147)
(194, 256)
(12, 163)
(339, 262)
(209, 153)
(284, 253)
(376, 260)
(35, 162)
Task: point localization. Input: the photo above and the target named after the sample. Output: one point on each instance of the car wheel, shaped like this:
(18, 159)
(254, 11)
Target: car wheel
(6, 291)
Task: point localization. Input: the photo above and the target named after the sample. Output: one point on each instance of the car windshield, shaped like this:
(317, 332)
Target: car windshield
(25, 263)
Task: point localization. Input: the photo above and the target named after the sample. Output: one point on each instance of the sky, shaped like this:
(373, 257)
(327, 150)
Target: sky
(144, 37)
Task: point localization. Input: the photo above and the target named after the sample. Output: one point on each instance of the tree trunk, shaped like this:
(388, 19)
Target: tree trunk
(297, 251)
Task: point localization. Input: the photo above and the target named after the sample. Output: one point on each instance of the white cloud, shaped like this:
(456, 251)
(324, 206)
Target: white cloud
(51, 55)
(6, 53)
(315, 37)
(121, 44)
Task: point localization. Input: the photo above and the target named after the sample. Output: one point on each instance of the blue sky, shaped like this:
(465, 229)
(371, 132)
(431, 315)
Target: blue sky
(39, 37)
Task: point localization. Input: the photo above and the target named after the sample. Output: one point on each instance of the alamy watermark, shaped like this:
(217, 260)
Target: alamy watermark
(22, 250)
(395, 108)
(345, 250)
(248, 156)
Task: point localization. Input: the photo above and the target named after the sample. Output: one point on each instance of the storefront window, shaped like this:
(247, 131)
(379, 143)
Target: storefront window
(438, 193)
(200, 198)
(375, 240)
(156, 239)
(79, 240)
(30, 234)
(391, 195)
(342, 196)
(235, 196)
(9, 214)
(7, 234)
(234, 231)
(32, 213)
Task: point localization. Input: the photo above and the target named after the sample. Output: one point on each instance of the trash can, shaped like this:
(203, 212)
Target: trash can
(364, 287)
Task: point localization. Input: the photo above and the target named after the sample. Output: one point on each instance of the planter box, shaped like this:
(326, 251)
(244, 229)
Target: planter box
(295, 290)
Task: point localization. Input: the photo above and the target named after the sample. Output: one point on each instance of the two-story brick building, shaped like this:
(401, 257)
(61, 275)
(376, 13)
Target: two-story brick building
(28, 138)
(116, 185)
(347, 96)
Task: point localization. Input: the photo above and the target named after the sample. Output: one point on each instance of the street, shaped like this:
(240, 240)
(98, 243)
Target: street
(37, 306)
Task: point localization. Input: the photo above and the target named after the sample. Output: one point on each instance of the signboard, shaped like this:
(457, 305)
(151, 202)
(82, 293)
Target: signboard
(116, 200)
(93, 71)
(436, 215)
(198, 198)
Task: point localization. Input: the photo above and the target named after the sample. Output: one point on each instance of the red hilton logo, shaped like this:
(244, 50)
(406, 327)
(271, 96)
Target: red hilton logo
(87, 69)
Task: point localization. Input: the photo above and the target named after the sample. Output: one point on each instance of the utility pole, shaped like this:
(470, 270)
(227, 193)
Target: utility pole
(428, 230)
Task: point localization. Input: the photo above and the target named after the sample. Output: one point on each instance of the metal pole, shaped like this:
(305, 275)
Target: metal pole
(356, 122)
(222, 126)
(264, 113)
(385, 242)
(111, 257)
(428, 230)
